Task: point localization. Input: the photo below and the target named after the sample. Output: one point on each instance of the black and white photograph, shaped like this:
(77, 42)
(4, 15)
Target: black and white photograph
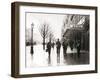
(52, 39)
(56, 39)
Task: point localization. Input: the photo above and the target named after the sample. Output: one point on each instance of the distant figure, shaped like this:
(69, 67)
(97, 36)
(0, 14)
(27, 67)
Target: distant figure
(71, 44)
(31, 51)
(53, 45)
(65, 45)
(58, 46)
(49, 49)
(78, 46)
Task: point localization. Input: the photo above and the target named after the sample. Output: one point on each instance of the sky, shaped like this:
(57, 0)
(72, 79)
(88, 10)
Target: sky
(55, 22)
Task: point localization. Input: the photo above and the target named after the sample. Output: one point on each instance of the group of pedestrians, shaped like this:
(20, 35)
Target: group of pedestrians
(58, 46)
(72, 45)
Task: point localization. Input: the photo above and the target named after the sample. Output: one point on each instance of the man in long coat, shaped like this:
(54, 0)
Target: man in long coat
(49, 49)
(58, 46)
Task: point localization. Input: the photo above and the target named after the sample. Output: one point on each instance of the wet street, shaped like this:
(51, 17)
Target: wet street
(40, 57)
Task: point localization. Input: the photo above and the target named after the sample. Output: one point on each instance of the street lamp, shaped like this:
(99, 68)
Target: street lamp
(32, 48)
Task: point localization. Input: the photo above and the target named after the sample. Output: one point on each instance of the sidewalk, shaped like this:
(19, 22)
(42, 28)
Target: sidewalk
(40, 57)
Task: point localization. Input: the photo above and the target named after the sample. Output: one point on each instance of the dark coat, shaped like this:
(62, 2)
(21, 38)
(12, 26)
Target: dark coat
(49, 46)
(58, 44)
(64, 44)
(78, 45)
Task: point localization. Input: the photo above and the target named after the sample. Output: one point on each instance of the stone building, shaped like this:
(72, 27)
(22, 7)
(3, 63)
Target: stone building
(76, 27)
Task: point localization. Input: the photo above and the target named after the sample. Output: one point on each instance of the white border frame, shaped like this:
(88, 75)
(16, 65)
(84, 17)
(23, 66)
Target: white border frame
(71, 68)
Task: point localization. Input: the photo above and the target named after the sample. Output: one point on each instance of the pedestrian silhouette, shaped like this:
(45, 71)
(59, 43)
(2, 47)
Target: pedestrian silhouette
(71, 44)
(31, 51)
(49, 50)
(78, 46)
(58, 46)
(65, 45)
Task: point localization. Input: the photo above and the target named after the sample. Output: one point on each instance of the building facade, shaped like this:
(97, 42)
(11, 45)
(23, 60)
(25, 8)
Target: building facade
(76, 27)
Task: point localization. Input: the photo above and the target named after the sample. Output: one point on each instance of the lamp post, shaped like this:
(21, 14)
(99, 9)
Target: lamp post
(32, 47)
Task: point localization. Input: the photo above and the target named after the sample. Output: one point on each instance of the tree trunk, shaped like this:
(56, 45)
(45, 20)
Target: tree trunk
(43, 43)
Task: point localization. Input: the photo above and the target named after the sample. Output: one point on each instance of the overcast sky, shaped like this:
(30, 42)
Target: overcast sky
(54, 20)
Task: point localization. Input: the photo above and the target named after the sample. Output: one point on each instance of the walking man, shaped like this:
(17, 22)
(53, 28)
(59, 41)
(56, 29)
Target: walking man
(78, 47)
(58, 46)
(65, 45)
(49, 50)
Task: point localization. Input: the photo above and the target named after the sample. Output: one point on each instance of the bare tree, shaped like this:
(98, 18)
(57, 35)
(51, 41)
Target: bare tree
(44, 31)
